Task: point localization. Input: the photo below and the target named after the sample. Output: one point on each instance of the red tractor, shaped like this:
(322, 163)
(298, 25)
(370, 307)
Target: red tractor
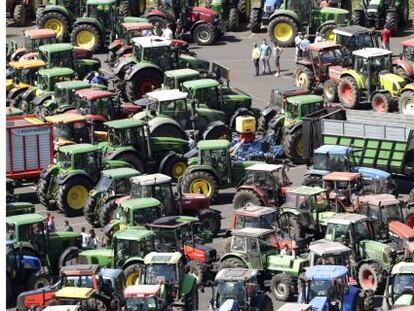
(19, 10)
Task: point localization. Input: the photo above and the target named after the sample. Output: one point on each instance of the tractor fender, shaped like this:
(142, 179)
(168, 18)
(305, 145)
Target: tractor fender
(29, 93)
(42, 99)
(93, 22)
(206, 168)
(408, 87)
(211, 115)
(31, 263)
(159, 121)
(132, 261)
(258, 191)
(127, 149)
(314, 172)
(288, 13)
(140, 66)
(404, 65)
(122, 66)
(356, 76)
(187, 285)
(382, 91)
(17, 90)
(239, 112)
(331, 21)
(61, 179)
(195, 25)
(156, 12)
(268, 113)
(238, 256)
(214, 125)
(164, 160)
(48, 172)
(208, 211)
(58, 9)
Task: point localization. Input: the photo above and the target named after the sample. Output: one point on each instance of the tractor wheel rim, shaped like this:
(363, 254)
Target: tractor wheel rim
(203, 35)
(77, 197)
(132, 278)
(299, 147)
(85, 39)
(407, 107)
(178, 169)
(56, 25)
(281, 289)
(146, 86)
(283, 32)
(368, 279)
(201, 186)
(302, 79)
(329, 35)
(379, 105)
(346, 93)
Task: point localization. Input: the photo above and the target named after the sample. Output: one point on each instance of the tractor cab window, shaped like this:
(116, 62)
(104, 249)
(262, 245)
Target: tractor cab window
(145, 216)
(33, 233)
(154, 274)
(159, 55)
(43, 83)
(308, 109)
(104, 184)
(390, 213)
(87, 161)
(330, 57)
(173, 108)
(11, 231)
(77, 281)
(61, 59)
(337, 232)
(363, 41)
(330, 162)
(253, 246)
(403, 283)
(129, 248)
(208, 97)
(64, 160)
(215, 158)
(337, 259)
(165, 240)
(292, 110)
(319, 288)
(141, 304)
(231, 290)
(122, 186)
(163, 193)
(238, 244)
(137, 51)
(362, 231)
(26, 75)
(379, 64)
(408, 53)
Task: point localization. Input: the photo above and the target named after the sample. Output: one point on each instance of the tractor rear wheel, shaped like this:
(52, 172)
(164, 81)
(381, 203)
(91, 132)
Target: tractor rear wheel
(280, 287)
(405, 14)
(282, 31)
(42, 194)
(73, 195)
(132, 159)
(201, 182)
(132, 273)
(205, 34)
(293, 146)
(330, 91)
(348, 92)
(292, 225)
(304, 77)
(369, 276)
(232, 262)
(244, 9)
(210, 220)
(313, 181)
(86, 36)
(37, 280)
(406, 103)
(267, 304)
(358, 18)
(233, 22)
(244, 197)
(68, 257)
(368, 301)
(217, 130)
(124, 8)
(392, 20)
(255, 20)
(20, 15)
(144, 81)
(382, 102)
(327, 31)
(173, 165)
(90, 215)
(107, 213)
(57, 22)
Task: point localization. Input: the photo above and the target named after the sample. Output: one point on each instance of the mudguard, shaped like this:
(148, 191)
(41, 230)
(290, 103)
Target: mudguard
(187, 284)
(404, 65)
(29, 93)
(288, 13)
(356, 76)
(19, 52)
(115, 44)
(118, 151)
(211, 115)
(122, 65)
(131, 261)
(61, 179)
(58, 9)
(195, 25)
(165, 160)
(47, 172)
(31, 263)
(294, 127)
(19, 89)
(156, 12)
(123, 50)
(90, 21)
(408, 87)
(331, 21)
(314, 172)
(238, 256)
(140, 66)
(206, 168)
(40, 100)
(158, 121)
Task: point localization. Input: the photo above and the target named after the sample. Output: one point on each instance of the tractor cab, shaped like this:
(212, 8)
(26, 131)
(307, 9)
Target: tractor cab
(57, 55)
(331, 158)
(207, 92)
(355, 37)
(64, 97)
(399, 290)
(254, 216)
(144, 297)
(173, 79)
(324, 252)
(408, 51)
(24, 73)
(34, 38)
(100, 103)
(139, 212)
(105, 11)
(69, 128)
(307, 199)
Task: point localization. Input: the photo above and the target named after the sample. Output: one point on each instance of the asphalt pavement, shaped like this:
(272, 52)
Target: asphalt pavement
(234, 52)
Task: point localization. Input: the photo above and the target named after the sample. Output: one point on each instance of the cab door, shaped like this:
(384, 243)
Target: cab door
(253, 253)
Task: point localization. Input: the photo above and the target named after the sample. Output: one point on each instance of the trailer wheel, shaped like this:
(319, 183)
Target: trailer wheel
(282, 31)
(369, 276)
(73, 195)
(233, 21)
(201, 182)
(280, 287)
(90, 214)
(382, 102)
(406, 103)
(107, 213)
(392, 20)
(20, 14)
(55, 21)
(304, 77)
(293, 146)
(330, 91)
(255, 20)
(348, 93)
(37, 280)
(244, 197)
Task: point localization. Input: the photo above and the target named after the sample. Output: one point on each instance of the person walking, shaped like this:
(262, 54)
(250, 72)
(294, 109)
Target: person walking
(277, 51)
(298, 40)
(256, 58)
(67, 227)
(85, 237)
(264, 56)
(167, 33)
(93, 239)
(385, 35)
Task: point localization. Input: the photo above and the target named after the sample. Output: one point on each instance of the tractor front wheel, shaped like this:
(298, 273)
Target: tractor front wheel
(255, 20)
(327, 31)
(90, 214)
(280, 287)
(173, 165)
(210, 220)
(86, 36)
(244, 197)
(233, 22)
(20, 15)
(282, 31)
(55, 21)
(392, 21)
(205, 34)
(369, 276)
(330, 91)
(382, 102)
(132, 274)
(293, 146)
(107, 213)
(37, 280)
(201, 182)
(144, 81)
(348, 92)
(358, 18)
(304, 77)
(406, 103)
(73, 195)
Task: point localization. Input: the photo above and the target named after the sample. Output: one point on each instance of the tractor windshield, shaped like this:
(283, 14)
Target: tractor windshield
(145, 216)
(174, 109)
(164, 273)
(329, 162)
(231, 290)
(336, 232)
(262, 179)
(319, 288)
(403, 284)
(379, 64)
(161, 192)
(331, 259)
(141, 304)
(25, 75)
(310, 108)
(208, 97)
(77, 281)
(104, 184)
(64, 160)
(357, 42)
(391, 212)
(60, 59)
(266, 222)
(87, 161)
(77, 132)
(126, 137)
(333, 56)
(408, 53)
(160, 56)
(132, 248)
(103, 107)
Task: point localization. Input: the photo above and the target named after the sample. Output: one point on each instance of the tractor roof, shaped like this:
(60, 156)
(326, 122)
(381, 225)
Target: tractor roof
(122, 172)
(403, 268)
(27, 64)
(325, 272)
(265, 167)
(328, 45)
(151, 41)
(140, 203)
(35, 34)
(409, 43)
(334, 149)
(346, 218)
(179, 73)
(93, 94)
(325, 247)
(151, 179)
(341, 176)
(25, 219)
(173, 221)
(252, 232)
(100, 2)
(213, 144)
(65, 118)
(306, 190)
(304, 99)
(133, 234)
(75, 270)
(376, 199)
(371, 52)
(111, 273)
(56, 47)
(56, 72)
(137, 26)
(167, 95)
(235, 274)
(251, 210)
(124, 123)
(352, 30)
(135, 291)
(78, 148)
(75, 292)
(162, 258)
(200, 84)
(73, 85)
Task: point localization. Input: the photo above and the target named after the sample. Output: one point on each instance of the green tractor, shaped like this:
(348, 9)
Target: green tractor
(181, 289)
(67, 182)
(306, 16)
(229, 12)
(114, 183)
(169, 113)
(256, 248)
(399, 289)
(173, 79)
(378, 13)
(55, 249)
(19, 208)
(212, 169)
(127, 252)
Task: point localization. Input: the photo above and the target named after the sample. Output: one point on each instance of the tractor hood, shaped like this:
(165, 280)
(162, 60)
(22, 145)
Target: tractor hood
(404, 300)
(319, 304)
(203, 11)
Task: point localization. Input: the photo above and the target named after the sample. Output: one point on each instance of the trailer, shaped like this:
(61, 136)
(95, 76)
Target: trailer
(29, 146)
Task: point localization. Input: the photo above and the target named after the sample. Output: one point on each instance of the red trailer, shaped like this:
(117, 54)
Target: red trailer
(29, 146)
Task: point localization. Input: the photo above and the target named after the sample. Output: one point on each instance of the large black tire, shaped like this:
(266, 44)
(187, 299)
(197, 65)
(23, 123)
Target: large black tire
(69, 254)
(159, 24)
(304, 77)
(327, 31)
(95, 46)
(293, 146)
(330, 91)
(91, 215)
(37, 280)
(173, 165)
(205, 34)
(168, 130)
(20, 15)
(392, 20)
(9, 290)
(132, 159)
(358, 18)
(348, 93)
(291, 225)
(370, 276)
(382, 102)
(282, 23)
(41, 192)
(197, 269)
(404, 13)
(132, 273)
(39, 13)
(144, 81)
(106, 214)
(255, 20)
(368, 301)
(192, 300)
(233, 22)
(313, 181)
(210, 220)
(124, 8)
(267, 304)
(406, 103)
(243, 8)
(191, 184)
(42, 21)
(244, 197)
(232, 262)
(280, 287)
(79, 198)
(217, 130)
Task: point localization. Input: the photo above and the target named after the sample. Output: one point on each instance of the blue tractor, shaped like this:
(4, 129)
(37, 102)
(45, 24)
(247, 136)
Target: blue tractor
(23, 272)
(261, 11)
(336, 158)
(325, 288)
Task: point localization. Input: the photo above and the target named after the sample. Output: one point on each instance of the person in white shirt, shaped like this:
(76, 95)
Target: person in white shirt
(167, 33)
(85, 237)
(298, 40)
